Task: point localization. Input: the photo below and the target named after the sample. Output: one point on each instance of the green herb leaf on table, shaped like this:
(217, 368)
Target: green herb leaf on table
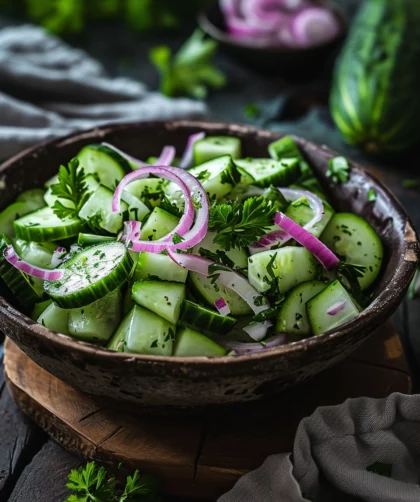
(338, 170)
(238, 225)
(71, 186)
(371, 195)
(190, 71)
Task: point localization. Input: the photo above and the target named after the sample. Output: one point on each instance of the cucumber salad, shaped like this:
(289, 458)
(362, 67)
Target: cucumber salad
(220, 255)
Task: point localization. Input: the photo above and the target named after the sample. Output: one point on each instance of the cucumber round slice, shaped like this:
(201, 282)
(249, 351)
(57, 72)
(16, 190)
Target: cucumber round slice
(92, 239)
(90, 275)
(212, 147)
(266, 172)
(33, 195)
(38, 254)
(44, 225)
(108, 165)
(352, 238)
(162, 298)
(208, 321)
(190, 343)
(292, 316)
(14, 212)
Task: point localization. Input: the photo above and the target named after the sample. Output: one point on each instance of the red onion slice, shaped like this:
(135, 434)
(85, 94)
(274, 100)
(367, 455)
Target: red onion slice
(186, 220)
(335, 308)
(307, 240)
(188, 155)
(243, 348)
(281, 237)
(222, 307)
(57, 257)
(314, 26)
(166, 157)
(229, 278)
(11, 257)
(270, 12)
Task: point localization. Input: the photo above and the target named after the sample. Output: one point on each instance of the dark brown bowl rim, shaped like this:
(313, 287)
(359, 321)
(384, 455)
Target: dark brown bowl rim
(369, 319)
(222, 36)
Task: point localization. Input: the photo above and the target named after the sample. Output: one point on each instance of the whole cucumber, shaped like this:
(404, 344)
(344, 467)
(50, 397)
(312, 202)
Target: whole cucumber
(375, 95)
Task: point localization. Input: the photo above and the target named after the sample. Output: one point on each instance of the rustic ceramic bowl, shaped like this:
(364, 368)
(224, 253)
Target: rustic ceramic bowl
(164, 384)
(291, 63)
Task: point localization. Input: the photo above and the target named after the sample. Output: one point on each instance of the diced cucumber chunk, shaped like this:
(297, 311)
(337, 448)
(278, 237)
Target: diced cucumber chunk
(352, 238)
(158, 224)
(292, 317)
(190, 343)
(158, 266)
(50, 199)
(128, 302)
(51, 181)
(148, 190)
(96, 322)
(97, 211)
(266, 172)
(38, 254)
(39, 309)
(13, 212)
(208, 321)
(288, 266)
(301, 212)
(238, 257)
(218, 176)
(107, 164)
(317, 308)
(55, 318)
(211, 147)
(148, 333)
(136, 209)
(91, 274)
(162, 298)
(286, 148)
(43, 225)
(34, 196)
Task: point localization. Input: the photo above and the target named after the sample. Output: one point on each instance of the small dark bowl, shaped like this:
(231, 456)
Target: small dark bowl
(292, 63)
(165, 384)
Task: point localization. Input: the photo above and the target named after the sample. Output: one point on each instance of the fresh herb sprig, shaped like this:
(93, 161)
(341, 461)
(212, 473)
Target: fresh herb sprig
(71, 186)
(350, 274)
(238, 225)
(339, 170)
(91, 483)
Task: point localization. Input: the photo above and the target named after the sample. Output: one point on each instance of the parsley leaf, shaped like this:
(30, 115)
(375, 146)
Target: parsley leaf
(338, 170)
(190, 71)
(169, 207)
(349, 275)
(71, 187)
(238, 225)
(218, 256)
(371, 195)
(252, 111)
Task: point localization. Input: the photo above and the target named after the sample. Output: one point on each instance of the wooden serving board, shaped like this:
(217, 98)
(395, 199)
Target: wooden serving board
(199, 457)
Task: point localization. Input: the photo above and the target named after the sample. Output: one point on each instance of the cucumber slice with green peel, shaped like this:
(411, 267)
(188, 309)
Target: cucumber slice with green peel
(33, 195)
(301, 212)
(96, 322)
(266, 172)
(107, 164)
(190, 343)
(158, 224)
(92, 239)
(13, 212)
(151, 266)
(288, 266)
(128, 302)
(205, 320)
(38, 254)
(148, 333)
(205, 291)
(212, 147)
(136, 209)
(91, 274)
(218, 176)
(43, 225)
(50, 199)
(162, 298)
(317, 308)
(97, 211)
(39, 309)
(55, 318)
(351, 238)
(292, 317)
(286, 148)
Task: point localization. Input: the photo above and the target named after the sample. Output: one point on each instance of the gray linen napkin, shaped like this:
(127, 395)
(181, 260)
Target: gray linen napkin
(338, 454)
(48, 89)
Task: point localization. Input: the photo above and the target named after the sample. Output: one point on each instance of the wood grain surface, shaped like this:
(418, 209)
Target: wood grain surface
(199, 457)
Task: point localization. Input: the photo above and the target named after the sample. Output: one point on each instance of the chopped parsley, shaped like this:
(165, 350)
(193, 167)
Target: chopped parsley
(371, 195)
(338, 170)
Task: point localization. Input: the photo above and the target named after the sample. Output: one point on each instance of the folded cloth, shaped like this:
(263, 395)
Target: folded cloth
(362, 450)
(48, 89)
